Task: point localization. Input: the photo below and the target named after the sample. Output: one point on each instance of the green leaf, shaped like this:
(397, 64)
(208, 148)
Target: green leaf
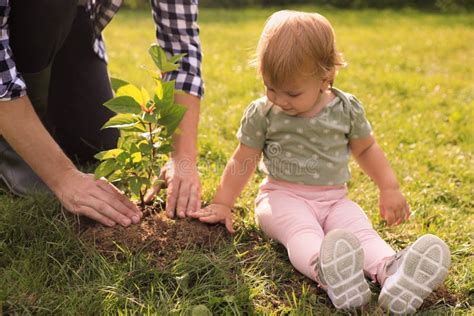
(131, 91)
(168, 95)
(123, 104)
(138, 128)
(136, 184)
(165, 149)
(121, 141)
(123, 158)
(149, 118)
(171, 117)
(177, 58)
(108, 154)
(105, 168)
(136, 157)
(159, 89)
(115, 176)
(134, 149)
(145, 147)
(161, 60)
(121, 121)
(117, 83)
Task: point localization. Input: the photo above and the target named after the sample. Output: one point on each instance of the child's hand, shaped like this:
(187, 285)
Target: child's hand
(216, 213)
(393, 207)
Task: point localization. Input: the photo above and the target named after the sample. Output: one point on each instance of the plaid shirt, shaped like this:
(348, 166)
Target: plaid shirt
(176, 31)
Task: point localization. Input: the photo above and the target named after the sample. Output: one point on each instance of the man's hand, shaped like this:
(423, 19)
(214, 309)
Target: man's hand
(393, 207)
(180, 175)
(183, 196)
(216, 213)
(97, 199)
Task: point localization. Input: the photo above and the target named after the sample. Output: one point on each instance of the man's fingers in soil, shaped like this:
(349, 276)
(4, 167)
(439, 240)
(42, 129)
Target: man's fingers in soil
(108, 211)
(183, 199)
(150, 194)
(171, 197)
(153, 191)
(116, 202)
(198, 198)
(199, 202)
(192, 205)
(118, 195)
(93, 214)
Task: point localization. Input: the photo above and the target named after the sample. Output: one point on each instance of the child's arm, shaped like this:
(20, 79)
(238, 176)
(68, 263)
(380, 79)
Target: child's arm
(237, 173)
(368, 154)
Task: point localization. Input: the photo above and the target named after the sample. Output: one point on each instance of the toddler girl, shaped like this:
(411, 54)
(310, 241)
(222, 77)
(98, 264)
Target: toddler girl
(307, 130)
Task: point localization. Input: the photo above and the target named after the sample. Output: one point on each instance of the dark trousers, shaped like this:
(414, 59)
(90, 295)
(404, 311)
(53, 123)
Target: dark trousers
(66, 81)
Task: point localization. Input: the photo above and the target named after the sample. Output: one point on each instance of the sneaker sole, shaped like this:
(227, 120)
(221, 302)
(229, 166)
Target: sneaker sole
(424, 268)
(342, 262)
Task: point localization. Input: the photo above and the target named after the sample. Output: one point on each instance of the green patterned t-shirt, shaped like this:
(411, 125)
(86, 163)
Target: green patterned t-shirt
(305, 150)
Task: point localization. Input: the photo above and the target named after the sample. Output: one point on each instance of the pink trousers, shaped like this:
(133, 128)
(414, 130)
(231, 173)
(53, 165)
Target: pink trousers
(299, 216)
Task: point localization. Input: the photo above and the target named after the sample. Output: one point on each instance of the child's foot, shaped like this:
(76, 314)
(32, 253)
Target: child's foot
(340, 269)
(417, 271)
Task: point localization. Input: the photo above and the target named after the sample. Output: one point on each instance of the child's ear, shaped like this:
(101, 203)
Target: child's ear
(326, 84)
(328, 79)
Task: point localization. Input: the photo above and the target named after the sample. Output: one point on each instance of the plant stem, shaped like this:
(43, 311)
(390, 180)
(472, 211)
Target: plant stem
(142, 200)
(153, 152)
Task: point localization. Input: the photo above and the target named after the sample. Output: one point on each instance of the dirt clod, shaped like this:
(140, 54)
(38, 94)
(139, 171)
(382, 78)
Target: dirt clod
(164, 238)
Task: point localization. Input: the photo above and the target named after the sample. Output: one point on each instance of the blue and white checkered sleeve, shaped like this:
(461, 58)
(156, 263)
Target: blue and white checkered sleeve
(177, 32)
(12, 85)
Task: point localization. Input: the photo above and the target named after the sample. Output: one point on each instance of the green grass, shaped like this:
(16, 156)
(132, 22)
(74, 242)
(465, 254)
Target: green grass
(413, 72)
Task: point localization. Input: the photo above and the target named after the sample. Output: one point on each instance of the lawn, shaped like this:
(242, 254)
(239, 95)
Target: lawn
(412, 71)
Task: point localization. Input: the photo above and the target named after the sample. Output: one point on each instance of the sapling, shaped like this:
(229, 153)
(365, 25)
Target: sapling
(146, 126)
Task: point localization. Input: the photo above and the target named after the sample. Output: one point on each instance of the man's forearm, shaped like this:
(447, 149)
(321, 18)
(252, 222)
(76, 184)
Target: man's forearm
(185, 140)
(23, 130)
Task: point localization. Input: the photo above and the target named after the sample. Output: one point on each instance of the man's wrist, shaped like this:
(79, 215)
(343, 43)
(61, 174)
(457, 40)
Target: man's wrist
(56, 183)
(192, 158)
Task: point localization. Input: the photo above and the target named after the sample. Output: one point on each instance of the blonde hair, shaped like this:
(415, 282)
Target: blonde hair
(295, 44)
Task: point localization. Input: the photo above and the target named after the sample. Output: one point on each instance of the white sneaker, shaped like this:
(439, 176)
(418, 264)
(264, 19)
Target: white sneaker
(340, 270)
(414, 273)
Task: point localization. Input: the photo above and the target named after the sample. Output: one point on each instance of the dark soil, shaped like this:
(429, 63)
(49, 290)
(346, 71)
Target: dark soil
(164, 237)
(440, 295)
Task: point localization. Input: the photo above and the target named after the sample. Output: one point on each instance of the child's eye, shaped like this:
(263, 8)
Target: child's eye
(294, 95)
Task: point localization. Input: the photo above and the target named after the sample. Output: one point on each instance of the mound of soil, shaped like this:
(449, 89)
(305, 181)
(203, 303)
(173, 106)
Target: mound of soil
(165, 238)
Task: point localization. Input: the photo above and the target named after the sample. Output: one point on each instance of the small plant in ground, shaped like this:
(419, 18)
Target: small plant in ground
(146, 126)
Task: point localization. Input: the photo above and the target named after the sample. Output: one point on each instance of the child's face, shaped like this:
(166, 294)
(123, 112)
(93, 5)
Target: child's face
(297, 98)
